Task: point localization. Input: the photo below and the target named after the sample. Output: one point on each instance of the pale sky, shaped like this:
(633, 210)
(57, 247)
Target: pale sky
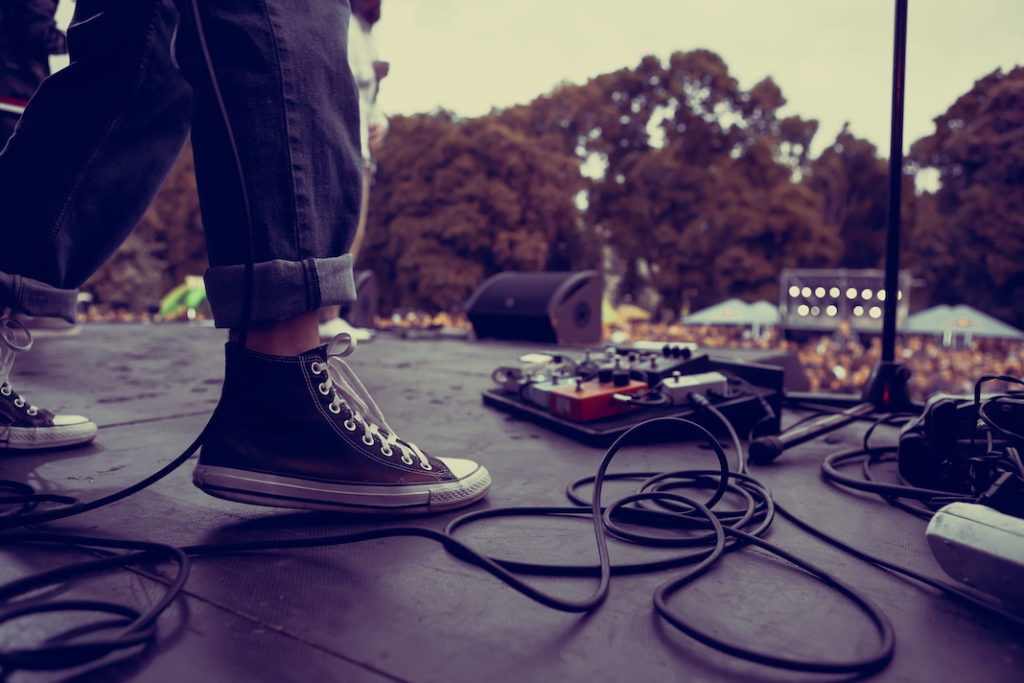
(831, 58)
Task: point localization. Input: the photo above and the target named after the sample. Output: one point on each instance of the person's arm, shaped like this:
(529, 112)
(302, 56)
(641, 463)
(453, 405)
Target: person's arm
(38, 29)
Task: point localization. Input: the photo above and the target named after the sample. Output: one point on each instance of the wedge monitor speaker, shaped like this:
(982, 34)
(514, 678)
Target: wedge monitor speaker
(556, 307)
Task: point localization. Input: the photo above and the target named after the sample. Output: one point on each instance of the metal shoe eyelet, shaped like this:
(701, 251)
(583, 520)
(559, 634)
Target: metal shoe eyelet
(316, 368)
(5, 390)
(19, 402)
(367, 439)
(427, 466)
(33, 411)
(324, 389)
(386, 450)
(334, 408)
(407, 459)
(350, 425)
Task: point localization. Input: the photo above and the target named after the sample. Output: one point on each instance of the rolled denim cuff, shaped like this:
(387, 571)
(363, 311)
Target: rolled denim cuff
(37, 299)
(280, 289)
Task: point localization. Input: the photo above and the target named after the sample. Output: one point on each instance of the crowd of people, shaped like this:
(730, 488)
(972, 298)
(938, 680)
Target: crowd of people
(841, 362)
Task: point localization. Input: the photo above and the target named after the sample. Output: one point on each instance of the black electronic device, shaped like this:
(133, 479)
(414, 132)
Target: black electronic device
(581, 398)
(945, 449)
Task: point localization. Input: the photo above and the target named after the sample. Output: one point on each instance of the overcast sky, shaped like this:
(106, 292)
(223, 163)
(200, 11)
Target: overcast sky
(831, 58)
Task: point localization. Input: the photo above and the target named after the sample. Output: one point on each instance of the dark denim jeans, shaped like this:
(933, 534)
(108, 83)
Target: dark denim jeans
(99, 137)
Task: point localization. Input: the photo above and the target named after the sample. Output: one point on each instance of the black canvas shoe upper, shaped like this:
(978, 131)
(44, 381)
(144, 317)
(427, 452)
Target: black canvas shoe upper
(24, 426)
(308, 417)
(17, 412)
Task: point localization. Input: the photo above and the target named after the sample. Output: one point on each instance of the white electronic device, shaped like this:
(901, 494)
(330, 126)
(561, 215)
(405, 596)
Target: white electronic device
(980, 547)
(678, 387)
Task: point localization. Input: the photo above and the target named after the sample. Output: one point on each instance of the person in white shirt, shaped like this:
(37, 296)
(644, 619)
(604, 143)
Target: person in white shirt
(368, 71)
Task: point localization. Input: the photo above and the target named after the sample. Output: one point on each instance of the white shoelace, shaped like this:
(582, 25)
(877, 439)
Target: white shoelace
(349, 391)
(14, 337)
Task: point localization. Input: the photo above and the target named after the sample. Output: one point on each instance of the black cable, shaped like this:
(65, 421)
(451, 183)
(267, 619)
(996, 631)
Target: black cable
(248, 282)
(64, 651)
(24, 518)
(949, 589)
(830, 471)
(1005, 432)
(863, 665)
(680, 513)
(930, 499)
(977, 397)
(884, 420)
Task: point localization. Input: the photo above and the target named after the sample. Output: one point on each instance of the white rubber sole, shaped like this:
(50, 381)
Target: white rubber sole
(73, 433)
(260, 488)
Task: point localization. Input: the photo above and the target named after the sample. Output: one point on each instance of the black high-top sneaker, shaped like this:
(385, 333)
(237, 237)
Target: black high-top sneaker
(24, 426)
(302, 432)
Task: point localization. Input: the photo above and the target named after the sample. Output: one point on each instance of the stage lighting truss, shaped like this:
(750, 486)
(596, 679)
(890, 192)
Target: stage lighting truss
(820, 299)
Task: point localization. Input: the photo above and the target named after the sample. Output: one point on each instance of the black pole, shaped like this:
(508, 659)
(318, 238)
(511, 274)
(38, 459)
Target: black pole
(892, 232)
(886, 388)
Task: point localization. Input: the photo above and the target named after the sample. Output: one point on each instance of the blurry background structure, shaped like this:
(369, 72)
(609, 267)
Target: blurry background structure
(684, 183)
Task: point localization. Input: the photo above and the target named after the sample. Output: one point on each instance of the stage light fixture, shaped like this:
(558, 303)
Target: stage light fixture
(820, 299)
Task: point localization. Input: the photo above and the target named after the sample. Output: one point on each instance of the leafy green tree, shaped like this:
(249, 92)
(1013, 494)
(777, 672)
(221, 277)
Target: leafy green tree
(697, 192)
(972, 248)
(853, 183)
(456, 201)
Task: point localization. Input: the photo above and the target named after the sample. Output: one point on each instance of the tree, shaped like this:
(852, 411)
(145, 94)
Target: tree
(459, 200)
(698, 190)
(853, 182)
(975, 241)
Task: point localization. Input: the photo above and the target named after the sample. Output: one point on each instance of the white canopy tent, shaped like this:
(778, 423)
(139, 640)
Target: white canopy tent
(958, 324)
(735, 312)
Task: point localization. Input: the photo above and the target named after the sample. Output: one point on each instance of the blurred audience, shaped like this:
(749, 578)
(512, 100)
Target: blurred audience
(841, 362)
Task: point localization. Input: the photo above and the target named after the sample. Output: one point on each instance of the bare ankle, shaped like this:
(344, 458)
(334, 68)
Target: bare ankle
(289, 337)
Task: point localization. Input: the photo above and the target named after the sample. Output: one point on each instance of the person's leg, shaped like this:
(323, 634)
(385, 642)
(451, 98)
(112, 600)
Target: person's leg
(331, 323)
(92, 148)
(90, 152)
(290, 107)
(294, 426)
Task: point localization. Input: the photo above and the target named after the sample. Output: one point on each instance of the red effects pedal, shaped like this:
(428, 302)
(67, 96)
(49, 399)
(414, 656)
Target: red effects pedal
(592, 400)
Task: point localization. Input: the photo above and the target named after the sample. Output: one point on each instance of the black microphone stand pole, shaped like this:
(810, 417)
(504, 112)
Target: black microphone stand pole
(886, 387)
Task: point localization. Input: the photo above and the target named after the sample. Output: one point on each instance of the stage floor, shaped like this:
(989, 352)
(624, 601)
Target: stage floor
(404, 609)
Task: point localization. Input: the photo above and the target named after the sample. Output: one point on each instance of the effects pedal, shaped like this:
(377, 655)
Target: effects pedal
(679, 387)
(593, 400)
(598, 394)
(539, 392)
(654, 368)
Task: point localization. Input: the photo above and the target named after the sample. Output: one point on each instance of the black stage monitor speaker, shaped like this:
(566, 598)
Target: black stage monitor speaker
(562, 307)
(363, 311)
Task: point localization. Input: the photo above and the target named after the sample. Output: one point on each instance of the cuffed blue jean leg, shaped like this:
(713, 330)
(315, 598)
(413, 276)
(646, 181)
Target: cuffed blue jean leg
(99, 137)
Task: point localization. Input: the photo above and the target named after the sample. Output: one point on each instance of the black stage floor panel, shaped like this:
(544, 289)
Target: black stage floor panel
(404, 609)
